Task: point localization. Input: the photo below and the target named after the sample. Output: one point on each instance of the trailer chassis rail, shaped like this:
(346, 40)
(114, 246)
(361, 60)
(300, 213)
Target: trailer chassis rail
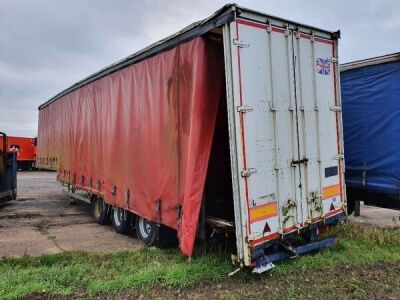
(77, 197)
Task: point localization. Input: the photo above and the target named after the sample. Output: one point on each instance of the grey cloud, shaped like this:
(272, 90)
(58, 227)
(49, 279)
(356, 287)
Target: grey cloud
(55, 32)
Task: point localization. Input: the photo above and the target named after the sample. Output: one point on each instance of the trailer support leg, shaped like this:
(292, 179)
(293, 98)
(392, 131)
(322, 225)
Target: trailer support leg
(356, 208)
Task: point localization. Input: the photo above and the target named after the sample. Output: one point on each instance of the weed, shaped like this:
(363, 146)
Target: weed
(42, 226)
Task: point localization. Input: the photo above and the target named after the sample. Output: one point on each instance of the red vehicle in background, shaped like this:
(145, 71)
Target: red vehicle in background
(25, 148)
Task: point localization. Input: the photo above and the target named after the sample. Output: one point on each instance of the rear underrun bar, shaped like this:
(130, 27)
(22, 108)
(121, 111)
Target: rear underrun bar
(265, 262)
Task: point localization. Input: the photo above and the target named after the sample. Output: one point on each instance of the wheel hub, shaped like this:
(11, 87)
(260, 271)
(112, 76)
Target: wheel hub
(119, 216)
(144, 227)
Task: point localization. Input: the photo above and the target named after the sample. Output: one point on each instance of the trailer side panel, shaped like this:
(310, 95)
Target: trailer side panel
(141, 137)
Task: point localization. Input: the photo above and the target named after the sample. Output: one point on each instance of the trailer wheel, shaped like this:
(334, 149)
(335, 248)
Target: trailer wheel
(100, 211)
(121, 220)
(146, 231)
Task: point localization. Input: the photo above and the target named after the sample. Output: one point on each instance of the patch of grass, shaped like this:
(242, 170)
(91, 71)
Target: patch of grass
(367, 233)
(67, 272)
(359, 245)
(90, 274)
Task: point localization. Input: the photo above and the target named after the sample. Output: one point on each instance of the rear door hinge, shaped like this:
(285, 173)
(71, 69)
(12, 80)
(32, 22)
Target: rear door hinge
(248, 172)
(240, 43)
(335, 108)
(338, 157)
(334, 60)
(312, 37)
(244, 109)
(269, 27)
(286, 32)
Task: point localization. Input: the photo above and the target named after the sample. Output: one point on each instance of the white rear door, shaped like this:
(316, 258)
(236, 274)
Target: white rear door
(283, 129)
(319, 125)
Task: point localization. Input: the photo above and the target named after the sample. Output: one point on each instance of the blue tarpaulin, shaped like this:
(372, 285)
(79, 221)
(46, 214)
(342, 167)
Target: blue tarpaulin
(371, 125)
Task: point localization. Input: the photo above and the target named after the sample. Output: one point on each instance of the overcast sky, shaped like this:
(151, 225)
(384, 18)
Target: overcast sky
(46, 45)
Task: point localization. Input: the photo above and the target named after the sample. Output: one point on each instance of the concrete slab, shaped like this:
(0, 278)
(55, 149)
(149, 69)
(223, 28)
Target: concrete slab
(42, 221)
(15, 242)
(380, 217)
(92, 238)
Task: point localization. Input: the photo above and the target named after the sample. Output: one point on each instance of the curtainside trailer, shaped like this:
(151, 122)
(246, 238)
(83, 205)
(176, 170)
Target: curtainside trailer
(233, 124)
(371, 107)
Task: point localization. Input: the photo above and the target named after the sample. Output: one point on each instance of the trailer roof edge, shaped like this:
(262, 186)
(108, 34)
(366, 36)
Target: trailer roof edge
(370, 62)
(222, 16)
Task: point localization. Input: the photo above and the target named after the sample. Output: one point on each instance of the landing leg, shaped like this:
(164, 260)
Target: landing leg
(356, 208)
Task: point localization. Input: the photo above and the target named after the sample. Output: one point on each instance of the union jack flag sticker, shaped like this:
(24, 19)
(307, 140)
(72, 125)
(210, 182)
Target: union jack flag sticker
(323, 66)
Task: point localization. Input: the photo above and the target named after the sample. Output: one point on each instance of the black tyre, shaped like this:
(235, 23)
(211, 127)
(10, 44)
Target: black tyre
(146, 231)
(153, 234)
(121, 220)
(100, 211)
